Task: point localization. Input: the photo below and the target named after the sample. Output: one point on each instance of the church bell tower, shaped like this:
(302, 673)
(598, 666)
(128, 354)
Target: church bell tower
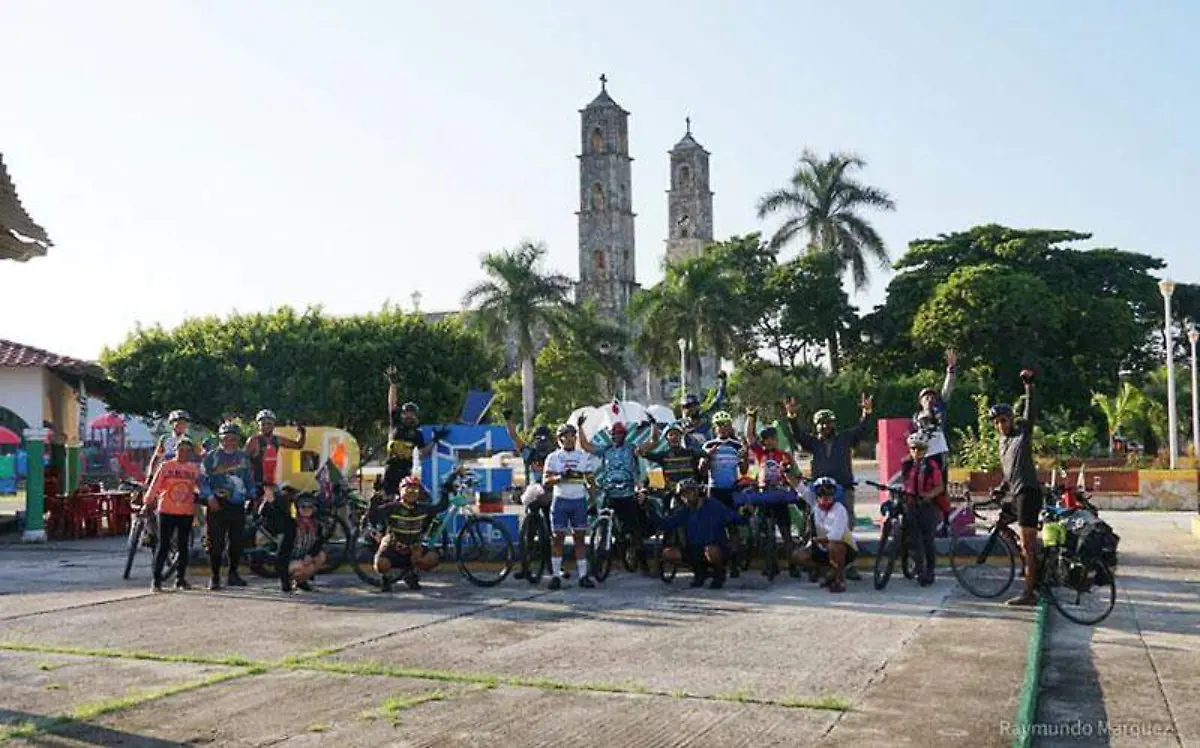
(689, 201)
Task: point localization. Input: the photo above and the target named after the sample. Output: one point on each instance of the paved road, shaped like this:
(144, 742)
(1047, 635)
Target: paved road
(634, 663)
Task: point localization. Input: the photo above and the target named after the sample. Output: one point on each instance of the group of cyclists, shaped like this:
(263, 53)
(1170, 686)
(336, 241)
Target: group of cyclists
(711, 477)
(234, 475)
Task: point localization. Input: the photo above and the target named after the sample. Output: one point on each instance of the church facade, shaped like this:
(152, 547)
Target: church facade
(607, 244)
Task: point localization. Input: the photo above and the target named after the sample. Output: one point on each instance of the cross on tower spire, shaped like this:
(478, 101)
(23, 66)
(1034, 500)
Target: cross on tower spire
(603, 82)
(688, 120)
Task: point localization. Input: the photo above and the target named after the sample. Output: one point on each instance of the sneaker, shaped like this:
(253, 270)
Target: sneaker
(1024, 600)
(556, 583)
(566, 574)
(235, 581)
(286, 585)
(156, 586)
(183, 585)
(411, 581)
(214, 584)
(586, 583)
(852, 574)
(305, 585)
(522, 574)
(837, 587)
(925, 581)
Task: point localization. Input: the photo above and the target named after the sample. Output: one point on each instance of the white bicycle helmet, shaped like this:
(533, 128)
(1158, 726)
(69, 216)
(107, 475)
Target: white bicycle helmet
(919, 440)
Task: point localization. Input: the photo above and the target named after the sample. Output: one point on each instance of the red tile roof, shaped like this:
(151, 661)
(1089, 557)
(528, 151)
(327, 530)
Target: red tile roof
(14, 355)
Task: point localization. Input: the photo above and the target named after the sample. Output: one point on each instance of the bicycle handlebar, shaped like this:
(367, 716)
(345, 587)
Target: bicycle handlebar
(890, 489)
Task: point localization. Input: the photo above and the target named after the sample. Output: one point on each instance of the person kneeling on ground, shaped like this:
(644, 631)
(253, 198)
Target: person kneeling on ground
(704, 521)
(401, 545)
(833, 546)
(309, 554)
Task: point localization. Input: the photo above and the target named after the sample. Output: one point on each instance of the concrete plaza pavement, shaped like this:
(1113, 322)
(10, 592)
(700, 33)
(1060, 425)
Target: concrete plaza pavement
(88, 659)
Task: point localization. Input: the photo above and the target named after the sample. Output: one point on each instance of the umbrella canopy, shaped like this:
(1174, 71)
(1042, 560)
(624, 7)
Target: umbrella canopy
(109, 422)
(8, 437)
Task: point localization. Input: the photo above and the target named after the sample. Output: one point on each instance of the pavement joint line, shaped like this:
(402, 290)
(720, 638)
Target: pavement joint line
(302, 662)
(1154, 666)
(83, 713)
(1027, 699)
(80, 606)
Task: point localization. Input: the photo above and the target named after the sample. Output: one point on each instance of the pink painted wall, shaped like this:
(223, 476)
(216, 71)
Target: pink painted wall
(892, 449)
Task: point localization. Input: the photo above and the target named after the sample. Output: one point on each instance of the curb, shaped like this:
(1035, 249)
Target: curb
(1027, 701)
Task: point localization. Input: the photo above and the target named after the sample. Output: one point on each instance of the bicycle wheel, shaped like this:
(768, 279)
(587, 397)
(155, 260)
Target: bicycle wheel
(1083, 592)
(133, 543)
(484, 550)
(535, 546)
(766, 546)
(363, 545)
(985, 571)
(885, 556)
(338, 548)
(908, 559)
(600, 550)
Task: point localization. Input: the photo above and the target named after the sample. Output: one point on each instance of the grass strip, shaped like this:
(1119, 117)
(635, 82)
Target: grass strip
(1027, 701)
(309, 662)
(96, 709)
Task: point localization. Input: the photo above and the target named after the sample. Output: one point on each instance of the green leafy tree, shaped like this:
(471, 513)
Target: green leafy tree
(1121, 409)
(307, 367)
(568, 378)
(517, 299)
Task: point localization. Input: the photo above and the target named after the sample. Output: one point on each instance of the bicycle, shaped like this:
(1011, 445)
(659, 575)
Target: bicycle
(602, 531)
(1068, 578)
(473, 543)
(762, 533)
(536, 548)
(987, 571)
(893, 536)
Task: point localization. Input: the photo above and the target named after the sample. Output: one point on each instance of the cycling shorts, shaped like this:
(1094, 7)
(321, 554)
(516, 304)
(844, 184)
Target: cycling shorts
(569, 515)
(1029, 506)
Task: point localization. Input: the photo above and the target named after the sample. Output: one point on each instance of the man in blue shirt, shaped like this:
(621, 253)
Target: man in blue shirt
(617, 480)
(697, 417)
(704, 522)
(228, 481)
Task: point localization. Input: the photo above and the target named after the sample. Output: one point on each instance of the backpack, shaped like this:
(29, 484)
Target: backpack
(1090, 538)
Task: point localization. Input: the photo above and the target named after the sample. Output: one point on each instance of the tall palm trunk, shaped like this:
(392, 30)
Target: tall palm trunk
(527, 404)
(835, 353)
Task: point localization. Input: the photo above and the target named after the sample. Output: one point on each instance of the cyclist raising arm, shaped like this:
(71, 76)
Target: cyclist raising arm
(1021, 479)
(404, 435)
(697, 417)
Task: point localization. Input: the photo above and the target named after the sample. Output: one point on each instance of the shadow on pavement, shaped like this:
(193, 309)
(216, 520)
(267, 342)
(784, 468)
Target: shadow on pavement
(81, 733)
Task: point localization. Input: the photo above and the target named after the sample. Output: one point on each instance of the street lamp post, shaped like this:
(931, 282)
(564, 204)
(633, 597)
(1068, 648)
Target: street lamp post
(1193, 337)
(1167, 287)
(683, 366)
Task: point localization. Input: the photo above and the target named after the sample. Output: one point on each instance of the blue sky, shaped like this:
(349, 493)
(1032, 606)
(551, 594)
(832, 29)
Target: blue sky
(195, 157)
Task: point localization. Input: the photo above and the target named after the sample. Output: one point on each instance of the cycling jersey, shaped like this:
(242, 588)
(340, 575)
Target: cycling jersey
(771, 466)
(618, 468)
(919, 477)
(265, 464)
(175, 484)
(403, 438)
(724, 462)
(578, 462)
(404, 525)
(308, 538)
(678, 463)
(229, 471)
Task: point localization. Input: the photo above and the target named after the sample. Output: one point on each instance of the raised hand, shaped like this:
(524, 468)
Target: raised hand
(580, 421)
(790, 406)
(722, 375)
(951, 358)
(867, 402)
(752, 411)
(391, 373)
(1027, 376)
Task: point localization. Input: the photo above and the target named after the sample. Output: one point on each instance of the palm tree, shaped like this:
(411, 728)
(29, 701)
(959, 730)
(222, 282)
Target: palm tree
(584, 329)
(689, 304)
(1121, 409)
(518, 299)
(823, 203)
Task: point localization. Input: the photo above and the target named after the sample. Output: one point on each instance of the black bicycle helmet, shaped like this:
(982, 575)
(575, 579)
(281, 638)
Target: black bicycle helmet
(178, 415)
(691, 401)
(541, 432)
(565, 429)
(228, 428)
(1000, 410)
(410, 407)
